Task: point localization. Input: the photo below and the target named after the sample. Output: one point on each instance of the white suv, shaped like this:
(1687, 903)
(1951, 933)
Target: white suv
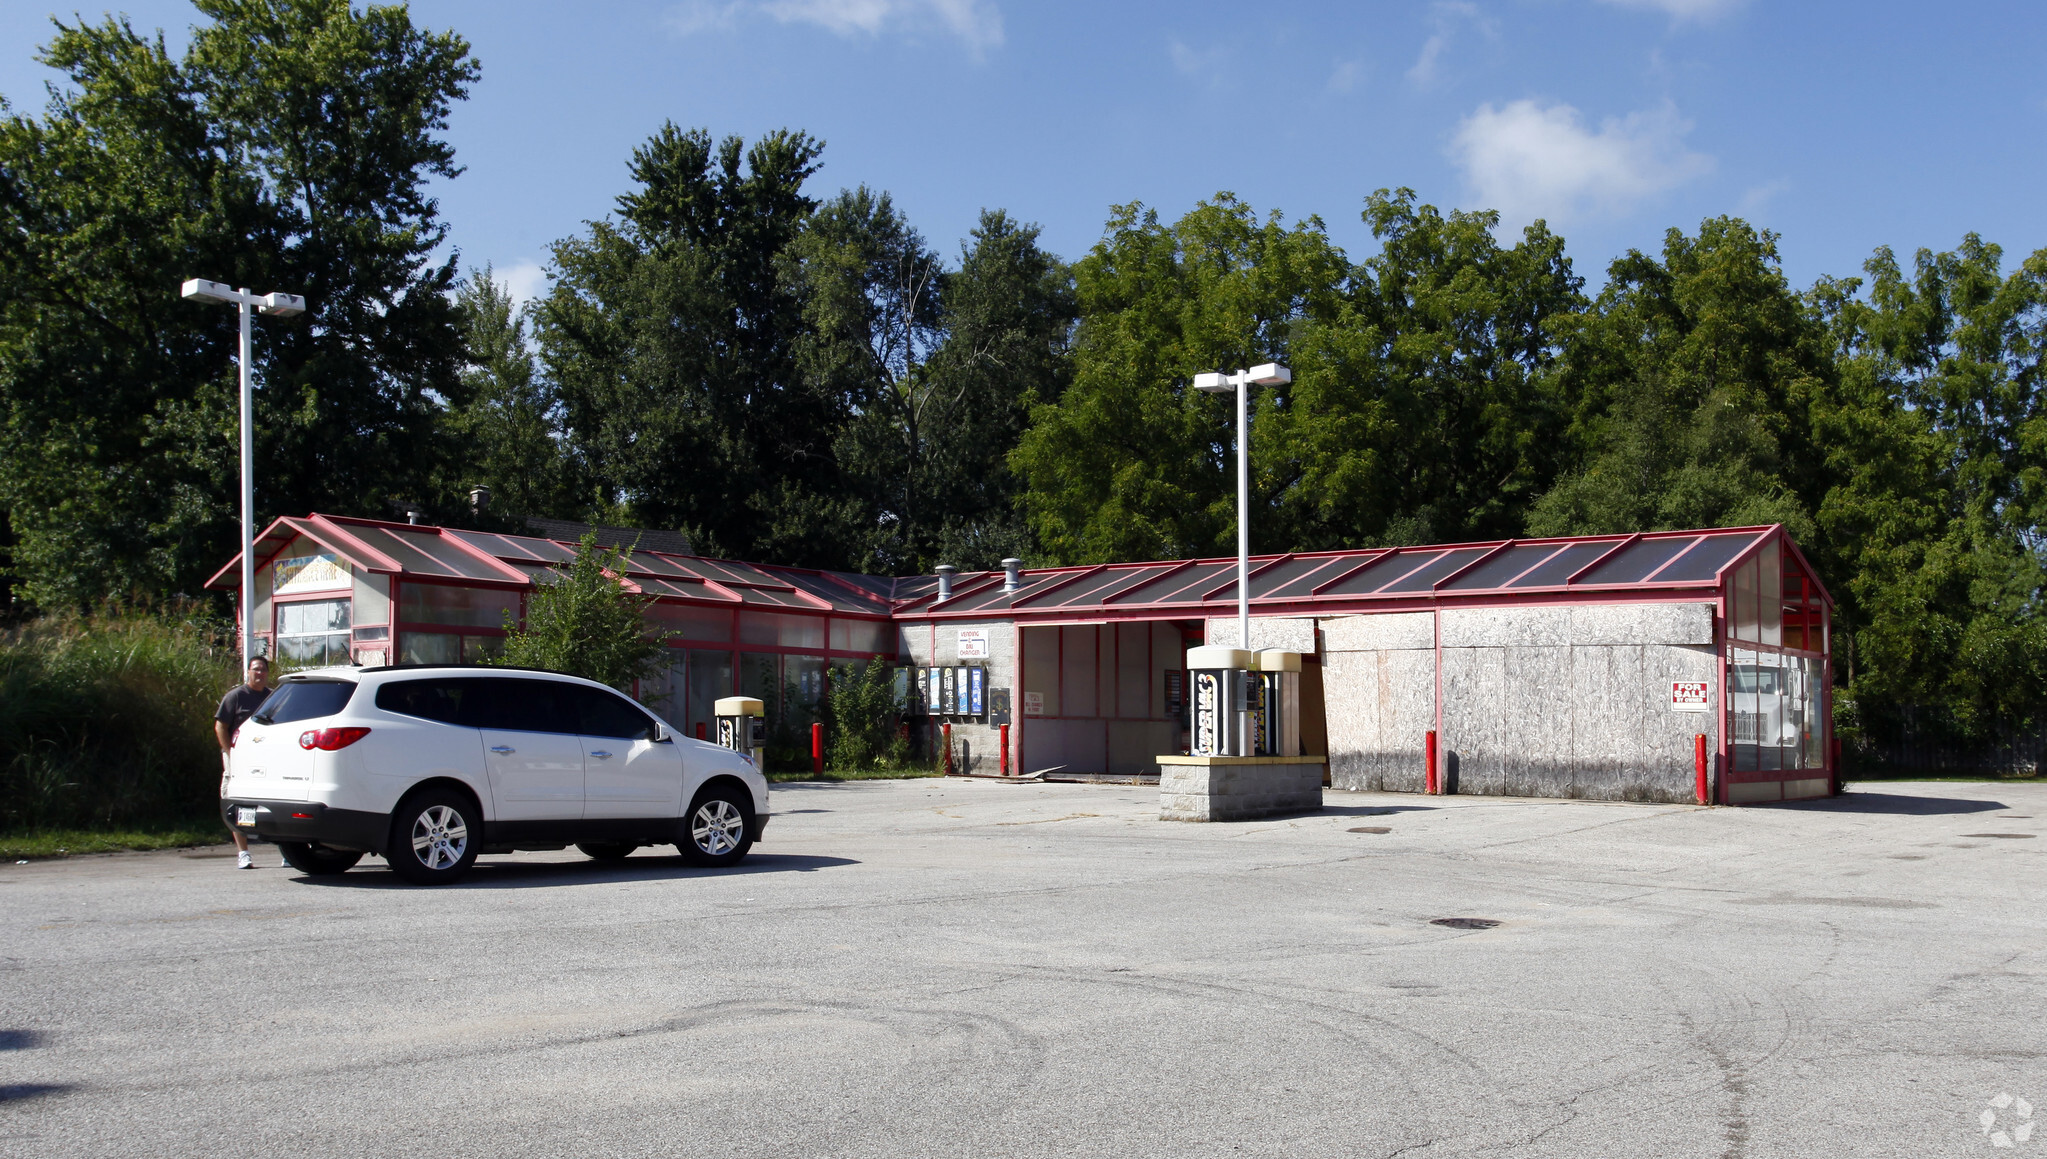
(427, 767)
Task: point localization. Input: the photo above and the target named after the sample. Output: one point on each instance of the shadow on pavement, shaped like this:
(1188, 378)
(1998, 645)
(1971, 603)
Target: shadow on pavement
(20, 1039)
(13, 1092)
(1376, 810)
(1863, 801)
(488, 874)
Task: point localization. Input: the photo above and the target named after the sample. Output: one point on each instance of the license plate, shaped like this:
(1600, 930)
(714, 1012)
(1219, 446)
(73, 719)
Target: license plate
(245, 816)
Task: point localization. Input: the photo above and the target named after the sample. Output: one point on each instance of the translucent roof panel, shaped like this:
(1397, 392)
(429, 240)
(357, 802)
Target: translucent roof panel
(1557, 568)
(1374, 574)
(1635, 562)
(409, 553)
(1314, 571)
(1425, 578)
(1705, 560)
(1495, 572)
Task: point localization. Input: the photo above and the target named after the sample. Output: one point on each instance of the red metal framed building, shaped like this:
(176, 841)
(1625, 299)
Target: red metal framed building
(1090, 653)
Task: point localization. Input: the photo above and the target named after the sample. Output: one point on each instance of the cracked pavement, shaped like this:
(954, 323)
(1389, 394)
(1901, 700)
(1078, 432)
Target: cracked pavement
(967, 968)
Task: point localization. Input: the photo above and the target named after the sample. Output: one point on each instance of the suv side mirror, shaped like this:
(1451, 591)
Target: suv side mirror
(662, 735)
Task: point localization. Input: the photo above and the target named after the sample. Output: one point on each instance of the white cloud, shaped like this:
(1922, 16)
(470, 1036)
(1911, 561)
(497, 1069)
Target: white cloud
(701, 16)
(525, 280)
(1195, 62)
(1758, 199)
(1450, 18)
(1346, 76)
(1530, 161)
(978, 23)
(1699, 10)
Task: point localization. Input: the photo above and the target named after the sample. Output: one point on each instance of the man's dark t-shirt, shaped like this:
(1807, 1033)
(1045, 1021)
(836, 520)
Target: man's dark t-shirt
(240, 703)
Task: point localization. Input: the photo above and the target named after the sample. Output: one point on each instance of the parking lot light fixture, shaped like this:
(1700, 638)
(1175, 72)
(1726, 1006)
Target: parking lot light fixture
(246, 304)
(1218, 382)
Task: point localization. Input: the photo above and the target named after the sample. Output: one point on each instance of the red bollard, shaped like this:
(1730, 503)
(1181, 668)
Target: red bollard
(1005, 750)
(1699, 759)
(945, 738)
(817, 746)
(1429, 749)
(701, 734)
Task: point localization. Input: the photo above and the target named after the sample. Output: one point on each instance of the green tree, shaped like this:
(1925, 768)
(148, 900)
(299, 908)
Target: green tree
(581, 621)
(1935, 525)
(509, 427)
(936, 369)
(670, 337)
(1427, 408)
(1130, 462)
(287, 149)
(1692, 378)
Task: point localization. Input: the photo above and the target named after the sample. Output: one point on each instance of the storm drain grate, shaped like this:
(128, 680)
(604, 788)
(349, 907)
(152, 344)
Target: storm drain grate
(1465, 923)
(1997, 834)
(1371, 829)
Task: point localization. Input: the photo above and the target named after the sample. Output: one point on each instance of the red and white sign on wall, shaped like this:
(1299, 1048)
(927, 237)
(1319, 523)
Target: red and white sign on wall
(1688, 696)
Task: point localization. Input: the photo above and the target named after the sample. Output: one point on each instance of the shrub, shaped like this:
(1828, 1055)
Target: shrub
(107, 721)
(865, 718)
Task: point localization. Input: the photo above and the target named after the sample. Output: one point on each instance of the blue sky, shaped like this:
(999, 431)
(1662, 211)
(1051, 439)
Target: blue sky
(1843, 126)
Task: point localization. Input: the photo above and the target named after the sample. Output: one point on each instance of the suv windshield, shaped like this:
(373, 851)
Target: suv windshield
(303, 700)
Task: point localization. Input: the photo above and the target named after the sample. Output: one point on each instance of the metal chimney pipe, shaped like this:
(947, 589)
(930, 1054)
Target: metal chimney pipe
(1012, 574)
(479, 498)
(945, 572)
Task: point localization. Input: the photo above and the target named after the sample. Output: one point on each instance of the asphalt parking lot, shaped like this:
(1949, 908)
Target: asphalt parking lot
(979, 969)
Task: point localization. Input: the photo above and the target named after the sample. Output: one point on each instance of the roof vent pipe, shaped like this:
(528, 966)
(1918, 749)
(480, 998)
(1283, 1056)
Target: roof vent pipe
(1012, 577)
(479, 498)
(945, 571)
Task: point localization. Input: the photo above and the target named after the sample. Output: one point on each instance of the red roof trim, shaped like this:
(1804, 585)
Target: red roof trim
(1368, 561)
(1609, 553)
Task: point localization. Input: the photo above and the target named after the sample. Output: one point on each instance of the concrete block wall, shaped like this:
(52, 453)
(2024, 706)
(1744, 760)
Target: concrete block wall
(979, 743)
(1379, 691)
(1540, 702)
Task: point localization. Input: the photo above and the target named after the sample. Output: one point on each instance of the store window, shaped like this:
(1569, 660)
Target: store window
(777, 630)
(867, 637)
(313, 633)
(448, 648)
(1777, 710)
(711, 625)
(458, 607)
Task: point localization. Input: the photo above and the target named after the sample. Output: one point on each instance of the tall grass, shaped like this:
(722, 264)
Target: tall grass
(106, 720)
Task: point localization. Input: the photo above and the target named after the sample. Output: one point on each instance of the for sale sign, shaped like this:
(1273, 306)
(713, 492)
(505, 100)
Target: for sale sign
(1688, 696)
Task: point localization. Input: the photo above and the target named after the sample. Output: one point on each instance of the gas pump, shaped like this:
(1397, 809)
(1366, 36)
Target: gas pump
(1221, 701)
(739, 723)
(1279, 705)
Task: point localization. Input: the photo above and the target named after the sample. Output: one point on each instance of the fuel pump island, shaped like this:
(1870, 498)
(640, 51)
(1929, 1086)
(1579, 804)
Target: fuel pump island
(1244, 758)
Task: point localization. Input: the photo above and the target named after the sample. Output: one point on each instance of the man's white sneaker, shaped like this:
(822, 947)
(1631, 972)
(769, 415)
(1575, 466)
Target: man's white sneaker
(242, 860)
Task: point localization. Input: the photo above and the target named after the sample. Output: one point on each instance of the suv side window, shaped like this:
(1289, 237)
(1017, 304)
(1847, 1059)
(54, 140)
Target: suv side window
(609, 714)
(524, 704)
(448, 699)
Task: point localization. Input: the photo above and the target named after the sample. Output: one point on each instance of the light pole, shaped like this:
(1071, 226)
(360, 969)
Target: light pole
(278, 305)
(1218, 382)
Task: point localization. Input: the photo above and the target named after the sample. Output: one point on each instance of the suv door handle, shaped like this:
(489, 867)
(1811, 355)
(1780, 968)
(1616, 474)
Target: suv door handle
(601, 755)
(502, 748)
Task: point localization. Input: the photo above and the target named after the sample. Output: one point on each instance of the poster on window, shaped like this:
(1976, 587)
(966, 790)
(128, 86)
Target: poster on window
(319, 572)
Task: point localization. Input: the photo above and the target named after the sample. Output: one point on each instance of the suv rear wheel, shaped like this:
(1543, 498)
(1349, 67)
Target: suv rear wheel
(433, 837)
(313, 858)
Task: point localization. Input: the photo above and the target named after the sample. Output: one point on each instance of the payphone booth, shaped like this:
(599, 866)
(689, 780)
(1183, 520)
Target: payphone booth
(739, 723)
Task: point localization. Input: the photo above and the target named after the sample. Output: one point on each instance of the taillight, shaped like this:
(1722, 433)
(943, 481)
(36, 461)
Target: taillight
(234, 737)
(329, 739)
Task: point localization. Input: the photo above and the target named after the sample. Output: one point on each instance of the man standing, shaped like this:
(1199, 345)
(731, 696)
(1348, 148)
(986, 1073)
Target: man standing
(240, 703)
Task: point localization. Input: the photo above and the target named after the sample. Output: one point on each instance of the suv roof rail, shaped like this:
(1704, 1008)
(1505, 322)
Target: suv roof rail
(468, 667)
